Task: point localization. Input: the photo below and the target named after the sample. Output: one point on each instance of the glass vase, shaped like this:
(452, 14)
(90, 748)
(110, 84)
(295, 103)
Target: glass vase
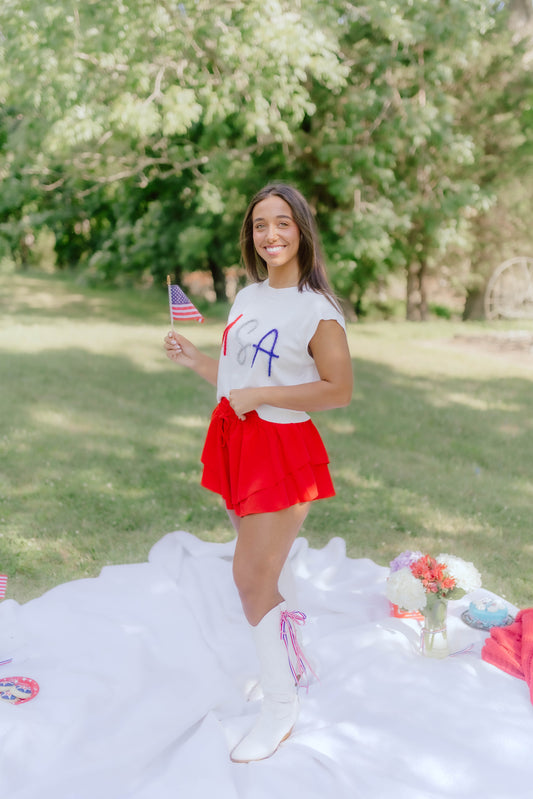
(434, 634)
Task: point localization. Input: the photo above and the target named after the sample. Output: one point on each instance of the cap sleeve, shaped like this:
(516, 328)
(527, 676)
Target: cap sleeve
(322, 308)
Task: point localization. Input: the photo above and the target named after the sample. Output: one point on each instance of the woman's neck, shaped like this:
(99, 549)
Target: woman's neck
(283, 279)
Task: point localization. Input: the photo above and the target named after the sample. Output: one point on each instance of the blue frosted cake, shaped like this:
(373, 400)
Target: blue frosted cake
(489, 612)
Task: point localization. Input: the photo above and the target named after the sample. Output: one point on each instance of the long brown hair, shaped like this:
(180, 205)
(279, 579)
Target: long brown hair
(310, 259)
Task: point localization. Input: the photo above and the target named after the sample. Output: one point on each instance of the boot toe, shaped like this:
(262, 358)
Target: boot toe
(274, 725)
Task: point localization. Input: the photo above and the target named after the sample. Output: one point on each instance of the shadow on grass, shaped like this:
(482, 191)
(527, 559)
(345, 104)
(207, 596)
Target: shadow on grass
(100, 459)
(36, 296)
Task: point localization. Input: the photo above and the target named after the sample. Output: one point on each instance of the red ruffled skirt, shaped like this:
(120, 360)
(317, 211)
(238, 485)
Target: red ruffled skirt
(260, 467)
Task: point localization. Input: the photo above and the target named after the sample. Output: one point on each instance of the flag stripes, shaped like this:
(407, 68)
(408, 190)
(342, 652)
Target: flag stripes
(180, 305)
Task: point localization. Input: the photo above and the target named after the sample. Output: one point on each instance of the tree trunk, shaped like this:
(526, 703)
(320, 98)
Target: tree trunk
(474, 304)
(423, 290)
(411, 294)
(417, 297)
(219, 281)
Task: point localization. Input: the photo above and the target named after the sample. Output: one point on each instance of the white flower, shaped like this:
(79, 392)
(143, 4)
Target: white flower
(465, 574)
(405, 590)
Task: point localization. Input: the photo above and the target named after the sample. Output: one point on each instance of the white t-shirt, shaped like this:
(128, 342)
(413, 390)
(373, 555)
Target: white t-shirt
(266, 341)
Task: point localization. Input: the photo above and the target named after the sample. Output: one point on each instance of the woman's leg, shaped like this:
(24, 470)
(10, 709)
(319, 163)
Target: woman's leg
(263, 545)
(286, 582)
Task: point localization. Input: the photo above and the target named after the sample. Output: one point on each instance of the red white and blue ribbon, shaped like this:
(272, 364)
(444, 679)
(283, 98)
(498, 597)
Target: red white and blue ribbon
(299, 665)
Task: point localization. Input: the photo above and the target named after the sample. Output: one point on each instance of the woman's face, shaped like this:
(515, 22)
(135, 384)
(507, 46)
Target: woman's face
(277, 239)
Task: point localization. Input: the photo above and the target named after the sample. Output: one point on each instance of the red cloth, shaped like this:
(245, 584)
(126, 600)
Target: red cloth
(511, 648)
(259, 466)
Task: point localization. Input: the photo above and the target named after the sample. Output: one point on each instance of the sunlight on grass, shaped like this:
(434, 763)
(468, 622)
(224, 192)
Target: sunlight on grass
(190, 422)
(477, 403)
(31, 294)
(350, 476)
(141, 345)
(342, 428)
(64, 421)
(101, 436)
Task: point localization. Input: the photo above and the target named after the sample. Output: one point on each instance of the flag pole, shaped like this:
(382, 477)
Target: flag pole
(170, 303)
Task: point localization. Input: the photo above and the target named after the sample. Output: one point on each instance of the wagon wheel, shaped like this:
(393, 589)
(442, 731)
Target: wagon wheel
(509, 293)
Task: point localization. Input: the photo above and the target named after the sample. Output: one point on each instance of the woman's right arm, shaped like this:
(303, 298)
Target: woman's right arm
(182, 351)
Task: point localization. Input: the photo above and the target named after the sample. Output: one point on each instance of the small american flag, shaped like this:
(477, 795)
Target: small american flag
(180, 305)
(3, 585)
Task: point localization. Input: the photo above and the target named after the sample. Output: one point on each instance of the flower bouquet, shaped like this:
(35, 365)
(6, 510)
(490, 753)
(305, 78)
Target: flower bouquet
(422, 584)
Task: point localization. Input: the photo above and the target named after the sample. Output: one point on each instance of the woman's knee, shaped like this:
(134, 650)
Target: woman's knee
(255, 580)
(263, 544)
(249, 577)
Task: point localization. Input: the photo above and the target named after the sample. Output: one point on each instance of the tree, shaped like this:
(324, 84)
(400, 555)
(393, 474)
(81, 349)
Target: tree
(149, 118)
(395, 156)
(137, 132)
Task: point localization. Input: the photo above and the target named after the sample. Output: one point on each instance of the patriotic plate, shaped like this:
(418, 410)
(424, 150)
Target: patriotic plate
(477, 624)
(18, 690)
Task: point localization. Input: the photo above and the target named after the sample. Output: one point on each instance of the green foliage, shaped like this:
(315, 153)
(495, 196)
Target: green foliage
(137, 132)
(441, 311)
(399, 165)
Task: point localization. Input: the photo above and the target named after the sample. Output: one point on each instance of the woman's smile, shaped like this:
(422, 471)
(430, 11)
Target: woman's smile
(277, 240)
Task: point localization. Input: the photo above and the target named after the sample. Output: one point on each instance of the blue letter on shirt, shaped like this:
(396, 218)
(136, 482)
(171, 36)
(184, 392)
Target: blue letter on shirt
(270, 353)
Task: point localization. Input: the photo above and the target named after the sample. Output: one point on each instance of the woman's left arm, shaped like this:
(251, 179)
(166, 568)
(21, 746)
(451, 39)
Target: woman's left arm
(330, 352)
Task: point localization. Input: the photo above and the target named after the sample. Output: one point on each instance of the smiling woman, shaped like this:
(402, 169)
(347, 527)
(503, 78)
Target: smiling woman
(284, 354)
(276, 240)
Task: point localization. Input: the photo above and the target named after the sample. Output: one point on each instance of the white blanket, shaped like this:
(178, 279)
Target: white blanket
(143, 674)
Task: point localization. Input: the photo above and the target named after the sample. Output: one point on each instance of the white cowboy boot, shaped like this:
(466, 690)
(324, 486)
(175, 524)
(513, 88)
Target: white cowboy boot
(287, 589)
(276, 642)
(289, 592)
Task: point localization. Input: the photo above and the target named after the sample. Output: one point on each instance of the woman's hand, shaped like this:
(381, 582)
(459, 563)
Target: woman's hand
(244, 400)
(180, 350)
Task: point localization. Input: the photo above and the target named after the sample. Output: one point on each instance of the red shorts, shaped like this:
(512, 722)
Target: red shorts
(260, 467)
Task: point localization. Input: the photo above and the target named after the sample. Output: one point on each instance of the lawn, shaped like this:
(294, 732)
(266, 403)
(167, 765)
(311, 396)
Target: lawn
(100, 440)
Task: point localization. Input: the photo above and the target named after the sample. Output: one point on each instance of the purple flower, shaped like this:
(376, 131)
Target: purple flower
(404, 560)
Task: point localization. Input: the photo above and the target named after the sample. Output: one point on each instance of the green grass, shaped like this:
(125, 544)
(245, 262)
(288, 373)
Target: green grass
(100, 437)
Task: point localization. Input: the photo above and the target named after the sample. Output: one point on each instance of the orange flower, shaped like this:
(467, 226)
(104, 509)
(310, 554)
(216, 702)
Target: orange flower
(433, 575)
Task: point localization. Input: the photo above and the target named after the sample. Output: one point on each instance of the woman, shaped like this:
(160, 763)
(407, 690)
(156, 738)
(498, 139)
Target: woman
(284, 354)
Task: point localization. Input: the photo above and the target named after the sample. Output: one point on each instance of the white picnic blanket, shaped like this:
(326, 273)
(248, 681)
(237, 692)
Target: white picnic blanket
(143, 673)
